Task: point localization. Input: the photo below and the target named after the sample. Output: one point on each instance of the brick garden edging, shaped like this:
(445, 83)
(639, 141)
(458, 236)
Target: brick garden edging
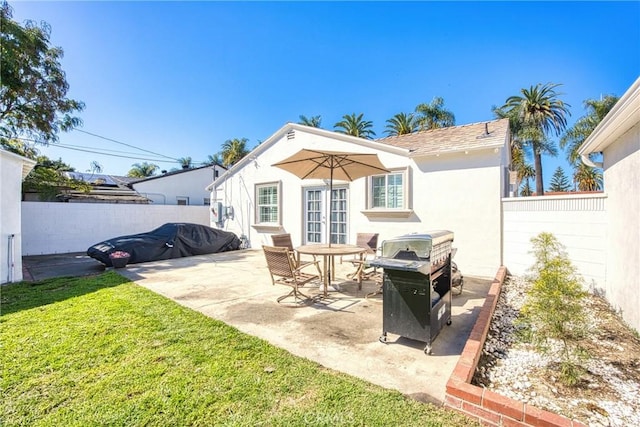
(482, 404)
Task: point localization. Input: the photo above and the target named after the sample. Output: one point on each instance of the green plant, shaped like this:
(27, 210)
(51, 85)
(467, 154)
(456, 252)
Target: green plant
(554, 308)
(102, 351)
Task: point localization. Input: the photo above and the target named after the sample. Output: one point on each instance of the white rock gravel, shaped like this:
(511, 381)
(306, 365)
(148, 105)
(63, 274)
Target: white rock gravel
(510, 369)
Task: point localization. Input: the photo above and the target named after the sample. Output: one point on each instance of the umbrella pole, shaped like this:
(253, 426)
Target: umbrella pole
(330, 200)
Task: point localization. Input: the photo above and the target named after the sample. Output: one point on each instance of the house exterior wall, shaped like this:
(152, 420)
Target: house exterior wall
(459, 192)
(578, 221)
(165, 190)
(12, 167)
(52, 228)
(622, 183)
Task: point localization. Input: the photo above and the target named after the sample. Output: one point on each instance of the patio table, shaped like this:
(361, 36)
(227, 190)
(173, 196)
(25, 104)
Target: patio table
(328, 253)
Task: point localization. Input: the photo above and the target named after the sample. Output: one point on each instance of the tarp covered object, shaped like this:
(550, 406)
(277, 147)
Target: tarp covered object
(171, 240)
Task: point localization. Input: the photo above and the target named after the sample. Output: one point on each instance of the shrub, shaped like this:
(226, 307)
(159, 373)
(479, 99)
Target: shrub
(554, 307)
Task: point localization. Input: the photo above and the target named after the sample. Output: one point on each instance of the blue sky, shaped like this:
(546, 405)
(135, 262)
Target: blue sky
(179, 79)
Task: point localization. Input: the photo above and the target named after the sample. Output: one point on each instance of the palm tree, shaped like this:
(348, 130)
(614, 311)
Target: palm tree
(355, 126)
(587, 178)
(526, 189)
(214, 159)
(142, 170)
(434, 115)
(401, 124)
(539, 112)
(185, 162)
(233, 150)
(576, 135)
(519, 163)
(313, 121)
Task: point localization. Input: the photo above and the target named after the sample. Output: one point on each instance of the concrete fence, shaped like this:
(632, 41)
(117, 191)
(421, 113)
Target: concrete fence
(578, 221)
(51, 228)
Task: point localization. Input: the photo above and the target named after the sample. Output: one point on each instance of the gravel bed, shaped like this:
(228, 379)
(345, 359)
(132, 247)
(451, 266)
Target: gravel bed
(608, 396)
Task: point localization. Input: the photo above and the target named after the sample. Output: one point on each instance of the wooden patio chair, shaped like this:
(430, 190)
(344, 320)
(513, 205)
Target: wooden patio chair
(284, 240)
(284, 272)
(363, 271)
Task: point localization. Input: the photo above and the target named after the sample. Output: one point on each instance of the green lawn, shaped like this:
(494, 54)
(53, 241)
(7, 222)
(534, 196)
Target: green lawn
(103, 351)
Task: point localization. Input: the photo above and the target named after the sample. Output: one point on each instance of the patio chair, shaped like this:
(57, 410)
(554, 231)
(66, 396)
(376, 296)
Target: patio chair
(284, 272)
(284, 240)
(364, 271)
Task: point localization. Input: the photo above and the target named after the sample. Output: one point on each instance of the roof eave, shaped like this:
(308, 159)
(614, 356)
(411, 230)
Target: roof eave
(622, 117)
(253, 154)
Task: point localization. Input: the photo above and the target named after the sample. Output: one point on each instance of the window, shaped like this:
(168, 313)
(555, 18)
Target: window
(268, 204)
(206, 201)
(182, 201)
(388, 191)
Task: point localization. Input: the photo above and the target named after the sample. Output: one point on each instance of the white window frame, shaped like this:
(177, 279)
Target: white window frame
(184, 199)
(404, 211)
(277, 204)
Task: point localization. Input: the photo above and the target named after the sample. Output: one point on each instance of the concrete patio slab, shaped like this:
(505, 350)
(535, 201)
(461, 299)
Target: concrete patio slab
(340, 332)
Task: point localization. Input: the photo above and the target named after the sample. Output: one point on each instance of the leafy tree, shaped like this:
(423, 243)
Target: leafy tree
(47, 179)
(536, 113)
(33, 94)
(355, 126)
(559, 181)
(434, 115)
(233, 150)
(313, 121)
(401, 124)
(20, 147)
(587, 178)
(142, 170)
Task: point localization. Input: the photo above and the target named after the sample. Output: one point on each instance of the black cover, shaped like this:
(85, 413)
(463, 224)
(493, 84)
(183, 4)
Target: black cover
(171, 240)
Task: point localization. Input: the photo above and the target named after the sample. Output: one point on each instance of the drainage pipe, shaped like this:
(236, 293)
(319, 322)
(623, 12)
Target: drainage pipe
(10, 258)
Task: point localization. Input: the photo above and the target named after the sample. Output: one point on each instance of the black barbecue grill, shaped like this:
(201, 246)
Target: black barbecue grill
(416, 287)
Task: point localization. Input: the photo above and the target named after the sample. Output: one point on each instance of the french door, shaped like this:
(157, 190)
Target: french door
(315, 215)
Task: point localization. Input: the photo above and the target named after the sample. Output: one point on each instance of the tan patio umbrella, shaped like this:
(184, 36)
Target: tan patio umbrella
(315, 164)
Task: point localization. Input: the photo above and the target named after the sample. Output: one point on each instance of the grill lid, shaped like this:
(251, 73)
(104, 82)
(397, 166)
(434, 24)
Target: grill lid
(420, 243)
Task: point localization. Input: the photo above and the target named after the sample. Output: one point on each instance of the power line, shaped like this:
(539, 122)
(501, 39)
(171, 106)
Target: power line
(117, 155)
(123, 143)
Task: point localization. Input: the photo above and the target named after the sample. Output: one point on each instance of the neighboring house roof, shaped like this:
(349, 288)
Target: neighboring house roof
(104, 194)
(101, 179)
(471, 137)
(177, 172)
(105, 189)
(622, 117)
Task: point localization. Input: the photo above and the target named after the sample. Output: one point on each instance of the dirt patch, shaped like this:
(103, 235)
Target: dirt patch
(608, 393)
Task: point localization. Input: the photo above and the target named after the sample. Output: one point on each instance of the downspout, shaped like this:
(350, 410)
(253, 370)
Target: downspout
(10, 258)
(587, 161)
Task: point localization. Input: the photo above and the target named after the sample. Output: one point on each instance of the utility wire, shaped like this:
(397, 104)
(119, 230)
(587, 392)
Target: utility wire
(125, 144)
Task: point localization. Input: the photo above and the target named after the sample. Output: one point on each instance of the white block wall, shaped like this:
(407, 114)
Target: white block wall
(577, 221)
(51, 228)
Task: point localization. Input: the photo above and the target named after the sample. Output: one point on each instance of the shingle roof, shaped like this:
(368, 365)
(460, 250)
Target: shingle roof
(474, 136)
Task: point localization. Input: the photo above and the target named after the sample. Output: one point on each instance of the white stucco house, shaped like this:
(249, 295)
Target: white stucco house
(13, 169)
(618, 138)
(182, 187)
(451, 178)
